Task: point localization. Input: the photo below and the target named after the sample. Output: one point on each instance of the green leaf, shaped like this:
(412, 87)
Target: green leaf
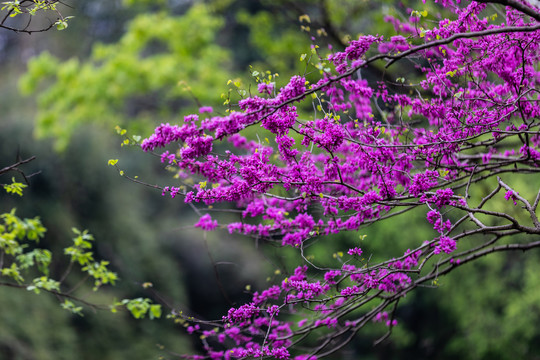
(15, 187)
(70, 306)
(45, 283)
(61, 24)
(155, 311)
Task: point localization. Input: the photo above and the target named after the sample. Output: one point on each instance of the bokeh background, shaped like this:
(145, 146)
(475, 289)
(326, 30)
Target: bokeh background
(136, 64)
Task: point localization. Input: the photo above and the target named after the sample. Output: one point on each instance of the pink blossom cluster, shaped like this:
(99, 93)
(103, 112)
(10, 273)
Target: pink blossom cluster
(350, 163)
(383, 317)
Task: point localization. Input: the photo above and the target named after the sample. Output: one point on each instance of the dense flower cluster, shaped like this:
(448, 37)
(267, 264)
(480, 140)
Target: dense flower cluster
(353, 163)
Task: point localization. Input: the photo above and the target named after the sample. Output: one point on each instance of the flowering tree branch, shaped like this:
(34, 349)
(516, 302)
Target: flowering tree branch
(519, 6)
(340, 153)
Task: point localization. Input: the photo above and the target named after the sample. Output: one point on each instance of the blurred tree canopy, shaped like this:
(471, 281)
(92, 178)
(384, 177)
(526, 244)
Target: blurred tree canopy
(138, 63)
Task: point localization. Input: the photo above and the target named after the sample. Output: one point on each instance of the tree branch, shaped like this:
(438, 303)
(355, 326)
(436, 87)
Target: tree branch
(14, 166)
(515, 5)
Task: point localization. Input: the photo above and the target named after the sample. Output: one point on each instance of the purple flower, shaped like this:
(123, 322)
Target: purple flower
(305, 357)
(423, 182)
(242, 314)
(206, 109)
(206, 223)
(330, 275)
(273, 310)
(510, 195)
(280, 353)
(445, 244)
(355, 251)
(264, 88)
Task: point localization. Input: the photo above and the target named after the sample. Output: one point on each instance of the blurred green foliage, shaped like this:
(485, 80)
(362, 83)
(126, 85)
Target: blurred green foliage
(147, 76)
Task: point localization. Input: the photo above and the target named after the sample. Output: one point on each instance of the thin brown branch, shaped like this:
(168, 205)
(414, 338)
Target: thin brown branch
(17, 164)
(516, 5)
